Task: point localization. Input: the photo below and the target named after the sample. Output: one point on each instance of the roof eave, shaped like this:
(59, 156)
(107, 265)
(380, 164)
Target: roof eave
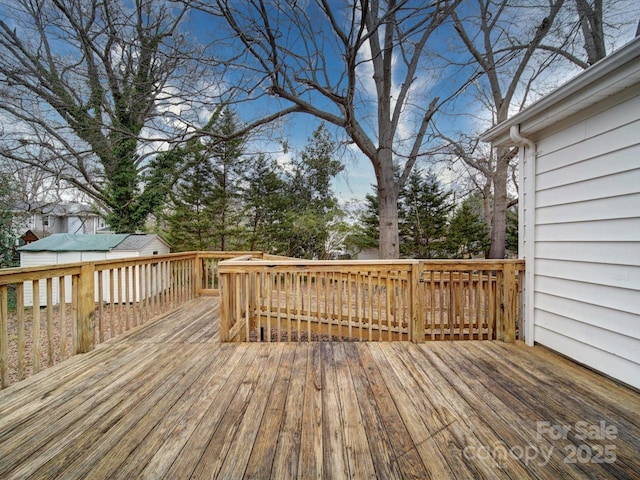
(605, 78)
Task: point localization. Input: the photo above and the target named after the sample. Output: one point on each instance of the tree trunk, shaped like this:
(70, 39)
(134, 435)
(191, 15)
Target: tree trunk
(499, 224)
(388, 206)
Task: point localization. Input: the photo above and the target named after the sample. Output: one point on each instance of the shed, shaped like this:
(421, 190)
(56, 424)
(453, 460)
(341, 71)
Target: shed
(579, 213)
(71, 248)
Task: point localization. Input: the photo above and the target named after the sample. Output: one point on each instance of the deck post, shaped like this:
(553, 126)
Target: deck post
(417, 314)
(197, 275)
(85, 339)
(509, 305)
(225, 300)
(4, 338)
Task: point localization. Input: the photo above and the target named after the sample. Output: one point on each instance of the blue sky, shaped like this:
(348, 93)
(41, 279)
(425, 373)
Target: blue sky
(433, 81)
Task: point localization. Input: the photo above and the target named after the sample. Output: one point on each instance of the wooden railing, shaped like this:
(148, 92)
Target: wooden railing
(50, 313)
(411, 300)
(207, 269)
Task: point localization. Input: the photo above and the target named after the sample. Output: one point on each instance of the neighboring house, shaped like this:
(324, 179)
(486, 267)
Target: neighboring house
(69, 248)
(580, 215)
(47, 218)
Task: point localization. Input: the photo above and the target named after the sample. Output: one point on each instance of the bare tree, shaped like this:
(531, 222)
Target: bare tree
(504, 50)
(355, 64)
(92, 89)
(520, 47)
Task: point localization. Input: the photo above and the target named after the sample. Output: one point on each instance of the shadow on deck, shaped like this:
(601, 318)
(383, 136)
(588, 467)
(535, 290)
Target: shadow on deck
(167, 400)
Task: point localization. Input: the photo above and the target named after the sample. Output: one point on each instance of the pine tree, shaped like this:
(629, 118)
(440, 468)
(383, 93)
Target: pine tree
(467, 231)
(227, 164)
(265, 204)
(188, 220)
(424, 213)
(312, 205)
(204, 211)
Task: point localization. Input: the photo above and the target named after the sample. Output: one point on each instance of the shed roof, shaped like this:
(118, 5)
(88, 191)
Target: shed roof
(138, 241)
(69, 242)
(610, 76)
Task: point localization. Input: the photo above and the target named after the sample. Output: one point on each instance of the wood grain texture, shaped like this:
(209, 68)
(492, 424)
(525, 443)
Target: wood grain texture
(168, 400)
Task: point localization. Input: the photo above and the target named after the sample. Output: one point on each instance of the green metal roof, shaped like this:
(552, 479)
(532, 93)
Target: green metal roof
(69, 242)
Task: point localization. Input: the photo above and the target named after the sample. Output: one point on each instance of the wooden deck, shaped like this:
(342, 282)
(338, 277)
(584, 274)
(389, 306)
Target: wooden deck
(167, 400)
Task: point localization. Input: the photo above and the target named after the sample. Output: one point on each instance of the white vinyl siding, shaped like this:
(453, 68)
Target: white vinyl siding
(587, 240)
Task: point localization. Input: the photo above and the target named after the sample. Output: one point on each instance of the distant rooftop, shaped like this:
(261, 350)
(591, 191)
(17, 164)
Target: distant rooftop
(68, 242)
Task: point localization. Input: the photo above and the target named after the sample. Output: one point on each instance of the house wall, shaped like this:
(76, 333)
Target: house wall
(585, 224)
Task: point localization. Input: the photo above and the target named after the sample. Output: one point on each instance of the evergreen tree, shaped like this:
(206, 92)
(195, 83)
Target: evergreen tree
(467, 231)
(512, 231)
(189, 224)
(365, 234)
(204, 211)
(226, 166)
(424, 213)
(265, 206)
(312, 206)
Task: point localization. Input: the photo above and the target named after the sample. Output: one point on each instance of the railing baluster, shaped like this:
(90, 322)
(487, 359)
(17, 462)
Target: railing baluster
(20, 326)
(4, 337)
(35, 328)
(50, 353)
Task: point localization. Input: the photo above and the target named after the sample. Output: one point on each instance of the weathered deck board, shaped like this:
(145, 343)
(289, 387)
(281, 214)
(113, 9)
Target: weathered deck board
(167, 400)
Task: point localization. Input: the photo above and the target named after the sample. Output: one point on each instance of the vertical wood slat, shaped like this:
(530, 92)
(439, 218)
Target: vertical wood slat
(127, 294)
(238, 298)
(499, 327)
(309, 310)
(269, 302)
(50, 352)
(119, 296)
(135, 306)
(287, 289)
(247, 310)
(20, 321)
(62, 310)
(85, 340)
(417, 305)
(111, 305)
(35, 329)
(4, 337)
(225, 298)
(509, 302)
(100, 307)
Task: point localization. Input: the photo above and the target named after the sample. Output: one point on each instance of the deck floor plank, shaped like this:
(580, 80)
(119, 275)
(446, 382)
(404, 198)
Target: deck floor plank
(422, 425)
(404, 452)
(52, 433)
(357, 446)
(310, 464)
(167, 400)
(287, 446)
(561, 401)
(512, 421)
(260, 461)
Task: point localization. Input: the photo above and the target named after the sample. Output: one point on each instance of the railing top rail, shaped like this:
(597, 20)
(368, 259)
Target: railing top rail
(25, 274)
(229, 254)
(301, 263)
(404, 264)
(19, 274)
